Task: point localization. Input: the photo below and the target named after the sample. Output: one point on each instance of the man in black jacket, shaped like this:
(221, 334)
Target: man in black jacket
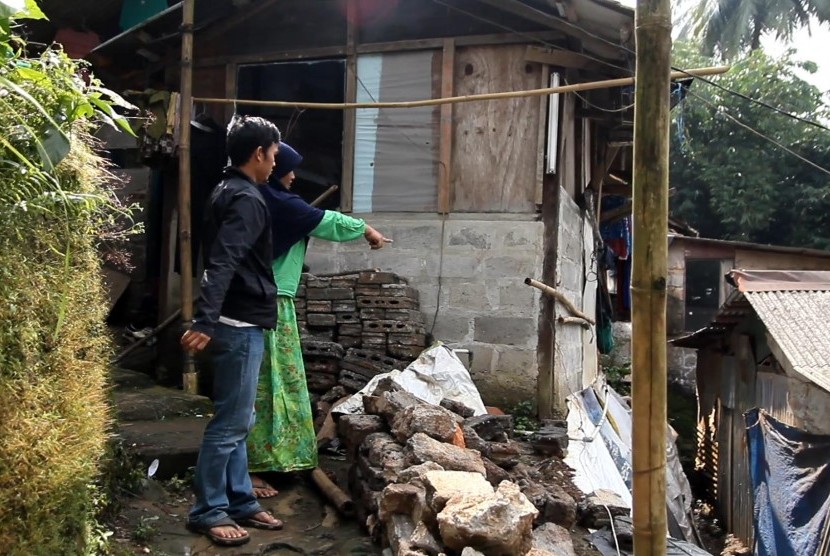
(237, 302)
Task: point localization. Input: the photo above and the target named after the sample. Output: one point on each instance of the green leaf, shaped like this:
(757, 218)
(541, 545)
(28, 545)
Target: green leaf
(55, 146)
(114, 98)
(33, 11)
(31, 74)
(110, 116)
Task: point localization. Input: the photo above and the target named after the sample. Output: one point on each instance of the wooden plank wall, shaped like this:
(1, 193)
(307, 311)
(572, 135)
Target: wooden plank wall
(495, 143)
(706, 459)
(742, 499)
(726, 417)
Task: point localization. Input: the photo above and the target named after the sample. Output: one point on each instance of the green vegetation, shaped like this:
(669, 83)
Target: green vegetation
(731, 27)
(55, 212)
(524, 417)
(730, 182)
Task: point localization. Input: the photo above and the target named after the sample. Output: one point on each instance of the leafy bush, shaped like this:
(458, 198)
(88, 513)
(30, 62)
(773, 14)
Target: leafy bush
(55, 210)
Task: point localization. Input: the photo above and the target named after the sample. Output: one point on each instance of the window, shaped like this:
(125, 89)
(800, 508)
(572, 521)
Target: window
(703, 288)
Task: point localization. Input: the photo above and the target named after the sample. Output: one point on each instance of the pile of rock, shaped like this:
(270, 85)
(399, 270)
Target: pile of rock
(434, 479)
(355, 326)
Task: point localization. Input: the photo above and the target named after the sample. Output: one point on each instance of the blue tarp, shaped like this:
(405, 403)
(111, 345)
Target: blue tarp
(790, 471)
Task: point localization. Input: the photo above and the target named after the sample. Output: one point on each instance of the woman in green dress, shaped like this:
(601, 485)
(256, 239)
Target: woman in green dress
(283, 438)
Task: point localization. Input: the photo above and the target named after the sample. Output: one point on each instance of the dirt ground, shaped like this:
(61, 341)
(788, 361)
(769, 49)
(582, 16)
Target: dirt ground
(154, 523)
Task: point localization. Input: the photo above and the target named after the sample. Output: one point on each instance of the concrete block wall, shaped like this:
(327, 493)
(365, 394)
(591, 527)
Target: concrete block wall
(570, 273)
(484, 305)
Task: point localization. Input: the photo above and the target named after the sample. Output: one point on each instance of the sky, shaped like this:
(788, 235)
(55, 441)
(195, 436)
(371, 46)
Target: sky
(808, 44)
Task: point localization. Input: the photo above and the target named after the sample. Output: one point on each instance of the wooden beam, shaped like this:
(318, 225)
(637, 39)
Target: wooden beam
(560, 58)
(445, 197)
(470, 40)
(189, 382)
(349, 116)
(541, 145)
(273, 56)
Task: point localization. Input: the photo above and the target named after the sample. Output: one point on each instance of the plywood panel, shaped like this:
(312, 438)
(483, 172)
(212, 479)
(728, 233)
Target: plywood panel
(566, 159)
(495, 143)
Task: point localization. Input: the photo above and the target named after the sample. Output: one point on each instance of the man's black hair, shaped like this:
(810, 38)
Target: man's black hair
(246, 134)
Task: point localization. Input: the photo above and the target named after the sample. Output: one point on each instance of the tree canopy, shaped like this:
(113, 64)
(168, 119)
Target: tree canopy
(731, 27)
(730, 182)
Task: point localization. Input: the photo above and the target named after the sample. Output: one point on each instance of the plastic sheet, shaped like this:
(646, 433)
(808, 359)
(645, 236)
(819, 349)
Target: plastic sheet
(437, 374)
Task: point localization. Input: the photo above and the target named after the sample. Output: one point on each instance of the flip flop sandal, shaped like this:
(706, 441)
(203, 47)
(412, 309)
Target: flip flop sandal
(217, 539)
(262, 485)
(259, 524)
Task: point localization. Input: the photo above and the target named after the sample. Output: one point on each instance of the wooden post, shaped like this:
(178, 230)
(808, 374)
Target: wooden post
(650, 271)
(189, 382)
(349, 116)
(445, 197)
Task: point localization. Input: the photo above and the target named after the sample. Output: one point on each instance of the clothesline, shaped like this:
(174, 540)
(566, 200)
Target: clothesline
(576, 87)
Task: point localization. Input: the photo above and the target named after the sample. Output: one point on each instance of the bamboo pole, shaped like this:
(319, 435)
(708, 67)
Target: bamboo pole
(325, 195)
(189, 382)
(649, 275)
(335, 494)
(574, 88)
(141, 341)
(560, 297)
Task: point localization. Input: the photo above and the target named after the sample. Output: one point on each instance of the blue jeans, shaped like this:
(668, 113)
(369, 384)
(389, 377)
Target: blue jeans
(223, 487)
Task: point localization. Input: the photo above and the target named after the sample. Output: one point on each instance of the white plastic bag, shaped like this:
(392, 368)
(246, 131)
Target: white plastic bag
(437, 374)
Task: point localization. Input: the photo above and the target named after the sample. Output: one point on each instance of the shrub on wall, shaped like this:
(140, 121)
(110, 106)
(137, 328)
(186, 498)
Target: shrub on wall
(55, 210)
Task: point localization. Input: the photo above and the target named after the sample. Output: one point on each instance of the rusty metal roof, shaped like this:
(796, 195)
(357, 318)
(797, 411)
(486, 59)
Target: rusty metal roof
(794, 307)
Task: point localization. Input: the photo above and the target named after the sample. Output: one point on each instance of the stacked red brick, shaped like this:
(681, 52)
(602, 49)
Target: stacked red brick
(357, 325)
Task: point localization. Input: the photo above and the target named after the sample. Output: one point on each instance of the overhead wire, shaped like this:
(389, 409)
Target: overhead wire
(567, 23)
(778, 144)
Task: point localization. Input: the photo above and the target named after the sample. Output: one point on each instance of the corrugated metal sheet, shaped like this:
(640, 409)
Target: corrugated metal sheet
(772, 394)
(799, 322)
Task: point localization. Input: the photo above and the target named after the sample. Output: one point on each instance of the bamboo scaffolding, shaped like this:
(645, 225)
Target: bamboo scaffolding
(574, 88)
(189, 381)
(649, 275)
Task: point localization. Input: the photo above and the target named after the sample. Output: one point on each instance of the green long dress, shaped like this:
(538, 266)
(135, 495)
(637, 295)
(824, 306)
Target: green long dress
(283, 437)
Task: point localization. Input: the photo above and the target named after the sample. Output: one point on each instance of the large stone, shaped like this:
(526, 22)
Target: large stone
(551, 441)
(441, 486)
(553, 540)
(504, 454)
(423, 539)
(499, 525)
(493, 428)
(399, 499)
(495, 474)
(421, 449)
(389, 404)
(399, 529)
(555, 505)
(382, 452)
(595, 507)
(457, 407)
(417, 472)
(353, 429)
(432, 420)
